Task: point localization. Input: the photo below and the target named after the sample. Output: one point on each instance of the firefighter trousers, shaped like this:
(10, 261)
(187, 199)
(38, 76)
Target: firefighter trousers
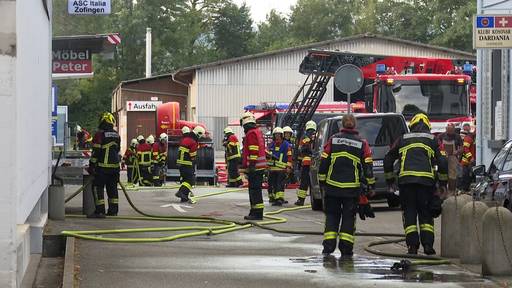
(305, 182)
(339, 209)
(146, 178)
(276, 183)
(234, 177)
(255, 179)
(415, 201)
(131, 172)
(109, 181)
(157, 170)
(187, 179)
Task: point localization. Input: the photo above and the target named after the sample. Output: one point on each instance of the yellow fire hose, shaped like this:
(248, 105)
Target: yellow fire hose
(225, 226)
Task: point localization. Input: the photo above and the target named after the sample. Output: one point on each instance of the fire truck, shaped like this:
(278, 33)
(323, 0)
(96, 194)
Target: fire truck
(168, 121)
(444, 89)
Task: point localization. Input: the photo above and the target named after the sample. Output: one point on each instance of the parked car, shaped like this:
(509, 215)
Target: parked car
(494, 184)
(381, 130)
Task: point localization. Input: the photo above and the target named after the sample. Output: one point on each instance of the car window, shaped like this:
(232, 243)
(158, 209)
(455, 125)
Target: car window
(379, 131)
(499, 159)
(319, 141)
(507, 166)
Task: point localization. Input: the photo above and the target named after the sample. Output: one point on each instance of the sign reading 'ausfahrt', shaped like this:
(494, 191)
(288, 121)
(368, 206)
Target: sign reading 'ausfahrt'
(142, 105)
(89, 7)
(492, 31)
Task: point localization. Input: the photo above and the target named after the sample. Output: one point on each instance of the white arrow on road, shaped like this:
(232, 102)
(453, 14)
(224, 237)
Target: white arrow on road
(178, 207)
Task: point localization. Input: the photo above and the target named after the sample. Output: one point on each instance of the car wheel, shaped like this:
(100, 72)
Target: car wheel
(393, 201)
(317, 204)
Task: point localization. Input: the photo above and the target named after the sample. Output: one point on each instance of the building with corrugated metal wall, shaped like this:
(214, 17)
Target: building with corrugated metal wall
(218, 91)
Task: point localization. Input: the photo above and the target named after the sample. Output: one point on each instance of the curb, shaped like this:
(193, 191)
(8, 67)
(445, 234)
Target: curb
(68, 276)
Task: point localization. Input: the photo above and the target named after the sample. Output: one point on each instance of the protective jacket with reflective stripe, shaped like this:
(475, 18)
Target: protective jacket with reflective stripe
(144, 154)
(346, 164)
(281, 155)
(468, 152)
(130, 156)
(187, 151)
(305, 149)
(418, 153)
(232, 147)
(105, 149)
(253, 153)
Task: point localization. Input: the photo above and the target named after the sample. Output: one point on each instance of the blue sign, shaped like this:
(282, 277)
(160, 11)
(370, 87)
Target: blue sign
(54, 113)
(485, 22)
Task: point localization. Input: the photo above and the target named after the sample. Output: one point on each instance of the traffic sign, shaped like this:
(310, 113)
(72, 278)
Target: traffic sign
(492, 31)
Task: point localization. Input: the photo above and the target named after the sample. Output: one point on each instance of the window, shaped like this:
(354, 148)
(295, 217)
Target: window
(497, 162)
(320, 136)
(378, 131)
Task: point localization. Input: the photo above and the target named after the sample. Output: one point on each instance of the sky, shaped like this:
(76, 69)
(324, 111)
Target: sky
(260, 8)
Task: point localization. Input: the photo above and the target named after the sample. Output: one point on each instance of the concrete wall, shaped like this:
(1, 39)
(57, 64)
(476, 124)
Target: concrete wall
(25, 35)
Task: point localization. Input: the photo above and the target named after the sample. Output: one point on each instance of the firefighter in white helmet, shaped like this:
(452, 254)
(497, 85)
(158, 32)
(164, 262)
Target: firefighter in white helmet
(305, 152)
(159, 160)
(253, 164)
(144, 161)
(280, 163)
(232, 157)
(130, 160)
(186, 161)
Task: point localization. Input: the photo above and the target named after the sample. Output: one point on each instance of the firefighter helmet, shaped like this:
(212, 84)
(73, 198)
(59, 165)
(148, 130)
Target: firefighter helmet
(185, 130)
(199, 131)
(247, 118)
(108, 118)
(311, 125)
(163, 137)
(277, 130)
(150, 139)
(134, 142)
(287, 129)
(228, 130)
(140, 138)
(78, 128)
(420, 117)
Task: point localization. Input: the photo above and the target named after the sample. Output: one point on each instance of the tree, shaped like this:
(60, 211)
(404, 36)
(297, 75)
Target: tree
(274, 33)
(232, 31)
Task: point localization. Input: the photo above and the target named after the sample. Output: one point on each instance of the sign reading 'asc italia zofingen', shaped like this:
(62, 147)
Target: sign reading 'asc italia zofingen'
(492, 31)
(89, 7)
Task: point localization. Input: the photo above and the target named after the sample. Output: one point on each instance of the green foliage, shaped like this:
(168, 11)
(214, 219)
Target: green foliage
(190, 32)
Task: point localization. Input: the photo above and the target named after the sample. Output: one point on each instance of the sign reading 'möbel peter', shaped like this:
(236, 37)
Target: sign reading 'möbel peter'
(72, 62)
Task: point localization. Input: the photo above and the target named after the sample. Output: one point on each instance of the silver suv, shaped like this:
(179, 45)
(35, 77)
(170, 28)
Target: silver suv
(380, 130)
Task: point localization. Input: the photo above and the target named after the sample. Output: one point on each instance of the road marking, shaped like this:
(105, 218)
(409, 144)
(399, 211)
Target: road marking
(178, 207)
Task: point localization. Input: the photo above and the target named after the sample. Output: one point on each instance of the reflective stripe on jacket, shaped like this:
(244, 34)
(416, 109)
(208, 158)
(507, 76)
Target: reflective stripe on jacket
(187, 151)
(105, 149)
(253, 153)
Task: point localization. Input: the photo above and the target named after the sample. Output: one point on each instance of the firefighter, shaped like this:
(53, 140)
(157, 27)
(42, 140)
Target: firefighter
(185, 130)
(233, 156)
(187, 153)
(104, 165)
(288, 136)
(452, 144)
(159, 159)
(130, 160)
(305, 152)
(83, 138)
(419, 152)
(253, 164)
(144, 161)
(346, 175)
(468, 157)
(280, 163)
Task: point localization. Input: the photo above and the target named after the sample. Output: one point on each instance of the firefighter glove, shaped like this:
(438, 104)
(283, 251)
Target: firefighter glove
(365, 210)
(436, 206)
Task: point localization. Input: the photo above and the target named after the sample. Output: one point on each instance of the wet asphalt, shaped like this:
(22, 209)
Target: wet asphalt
(247, 258)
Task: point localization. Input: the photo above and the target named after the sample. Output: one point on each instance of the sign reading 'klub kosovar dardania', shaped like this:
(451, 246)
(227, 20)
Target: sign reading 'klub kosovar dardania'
(492, 31)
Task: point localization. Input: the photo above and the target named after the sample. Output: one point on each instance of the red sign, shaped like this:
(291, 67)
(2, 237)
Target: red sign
(72, 66)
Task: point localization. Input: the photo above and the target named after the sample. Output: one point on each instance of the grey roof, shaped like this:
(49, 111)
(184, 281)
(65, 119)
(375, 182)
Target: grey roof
(325, 43)
(469, 55)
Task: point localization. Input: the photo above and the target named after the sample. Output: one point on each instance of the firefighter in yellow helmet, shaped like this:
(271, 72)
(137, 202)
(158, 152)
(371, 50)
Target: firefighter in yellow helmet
(418, 153)
(233, 157)
(104, 165)
(305, 153)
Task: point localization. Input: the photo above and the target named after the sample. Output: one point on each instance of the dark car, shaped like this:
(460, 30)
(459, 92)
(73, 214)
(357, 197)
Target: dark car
(494, 184)
(380, 130)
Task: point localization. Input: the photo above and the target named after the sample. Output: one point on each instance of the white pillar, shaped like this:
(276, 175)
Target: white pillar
(148, 52)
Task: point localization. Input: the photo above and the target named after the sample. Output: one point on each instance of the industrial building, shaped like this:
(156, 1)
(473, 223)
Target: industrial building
(217, 92)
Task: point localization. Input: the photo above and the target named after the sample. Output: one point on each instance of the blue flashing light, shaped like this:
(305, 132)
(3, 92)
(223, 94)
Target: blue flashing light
(380, 68)
(250, 107)
(467, 69)
(282, 106)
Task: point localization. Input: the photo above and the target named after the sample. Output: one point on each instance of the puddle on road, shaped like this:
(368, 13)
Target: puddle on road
(373, 268)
